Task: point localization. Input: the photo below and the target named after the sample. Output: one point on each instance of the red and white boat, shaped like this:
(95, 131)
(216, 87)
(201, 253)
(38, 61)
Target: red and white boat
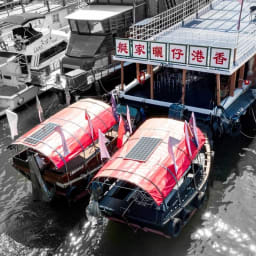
(60, 155)
(141, 186)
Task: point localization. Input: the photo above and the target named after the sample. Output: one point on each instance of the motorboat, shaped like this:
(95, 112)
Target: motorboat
(29, 57)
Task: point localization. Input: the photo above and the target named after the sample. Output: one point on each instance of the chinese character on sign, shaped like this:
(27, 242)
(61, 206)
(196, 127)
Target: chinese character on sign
(219, 58)
(158, 51)
(139, 49)
(198, 56)
(177, 53)
(122, 48)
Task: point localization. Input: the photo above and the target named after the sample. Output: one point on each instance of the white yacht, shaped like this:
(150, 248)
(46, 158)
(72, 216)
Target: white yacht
(29, 57)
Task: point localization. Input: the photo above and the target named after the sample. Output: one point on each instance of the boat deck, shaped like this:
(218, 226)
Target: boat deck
(10, 90)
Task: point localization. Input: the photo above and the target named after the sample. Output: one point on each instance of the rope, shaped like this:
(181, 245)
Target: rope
(247, 136)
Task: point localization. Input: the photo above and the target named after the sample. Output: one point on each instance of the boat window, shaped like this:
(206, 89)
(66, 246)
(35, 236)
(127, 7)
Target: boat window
(55, 18)
(49, 53)
(73, 25)
(83, 27)
(29, 57)
(90, 27)
(95, 27)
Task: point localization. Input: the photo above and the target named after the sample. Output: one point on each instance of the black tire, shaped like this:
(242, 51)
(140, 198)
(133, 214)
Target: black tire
(185, 214)
(198, 201)
(174, 227)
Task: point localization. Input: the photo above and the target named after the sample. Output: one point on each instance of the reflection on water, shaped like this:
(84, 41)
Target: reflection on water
(224, 226)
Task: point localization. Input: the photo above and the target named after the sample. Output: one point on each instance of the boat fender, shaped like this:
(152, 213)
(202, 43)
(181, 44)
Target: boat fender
(20, 100)
(185, 214)
(174, 227)
(142, 77)
(198, 201)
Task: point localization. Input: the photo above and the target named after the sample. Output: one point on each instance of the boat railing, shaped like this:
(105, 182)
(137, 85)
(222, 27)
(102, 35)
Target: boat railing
(166, 20)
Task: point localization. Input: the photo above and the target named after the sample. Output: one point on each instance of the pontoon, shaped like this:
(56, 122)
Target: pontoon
(202, 63)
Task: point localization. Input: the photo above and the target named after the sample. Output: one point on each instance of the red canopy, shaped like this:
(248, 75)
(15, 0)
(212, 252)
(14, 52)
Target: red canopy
(152, 175)
(74, 127)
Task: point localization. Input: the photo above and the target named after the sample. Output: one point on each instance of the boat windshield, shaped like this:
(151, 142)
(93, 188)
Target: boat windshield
(86, 27)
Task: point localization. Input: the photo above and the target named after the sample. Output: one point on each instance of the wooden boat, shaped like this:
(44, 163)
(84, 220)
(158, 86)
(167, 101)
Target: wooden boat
(139, 186)
(57, 169)
(194, 65)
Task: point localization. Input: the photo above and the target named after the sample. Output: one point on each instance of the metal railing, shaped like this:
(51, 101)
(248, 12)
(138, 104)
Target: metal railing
(167, 19)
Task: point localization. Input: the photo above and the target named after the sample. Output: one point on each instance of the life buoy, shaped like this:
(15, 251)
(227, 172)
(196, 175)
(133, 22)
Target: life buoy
(143, 75)
(246, 82)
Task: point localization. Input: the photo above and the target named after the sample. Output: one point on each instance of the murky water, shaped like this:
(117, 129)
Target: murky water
(226, 225)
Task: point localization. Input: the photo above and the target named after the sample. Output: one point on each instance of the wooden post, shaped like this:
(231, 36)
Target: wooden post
(241, 76)
(232, 84)
(218, 88)
(148, 69)
(234, 60)
(151, 82)
(138, 71)
(184, 71)
(122, 75)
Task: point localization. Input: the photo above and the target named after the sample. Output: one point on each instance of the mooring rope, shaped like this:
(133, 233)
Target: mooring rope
(248, 136)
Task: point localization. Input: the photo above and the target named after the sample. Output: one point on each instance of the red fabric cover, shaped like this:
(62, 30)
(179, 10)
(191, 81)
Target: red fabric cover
(121, 133)
(151, 175)
(73, 117)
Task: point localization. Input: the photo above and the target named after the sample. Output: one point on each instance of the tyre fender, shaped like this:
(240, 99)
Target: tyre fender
(174, 227)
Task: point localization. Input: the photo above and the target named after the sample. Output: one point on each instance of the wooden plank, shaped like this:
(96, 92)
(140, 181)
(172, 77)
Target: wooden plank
(232, 84)
(184, 71)
(151, 82)
(122, 75)
(218, 88)
(241, 76)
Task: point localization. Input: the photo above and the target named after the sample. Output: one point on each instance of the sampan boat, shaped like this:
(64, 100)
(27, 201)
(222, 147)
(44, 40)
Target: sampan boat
(139, 185)
(60, 155)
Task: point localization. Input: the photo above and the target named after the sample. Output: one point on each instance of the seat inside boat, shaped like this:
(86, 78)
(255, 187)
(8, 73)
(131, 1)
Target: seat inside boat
(26, 34)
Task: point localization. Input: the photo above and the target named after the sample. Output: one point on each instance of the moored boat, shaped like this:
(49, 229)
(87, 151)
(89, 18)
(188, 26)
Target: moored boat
(29, 59)
(61, 155)
(157, 180)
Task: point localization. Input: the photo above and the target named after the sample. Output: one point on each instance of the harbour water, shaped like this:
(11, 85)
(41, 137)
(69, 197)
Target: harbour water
(225, 225)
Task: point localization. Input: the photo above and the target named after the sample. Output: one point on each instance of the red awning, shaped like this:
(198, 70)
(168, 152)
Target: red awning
(152, 175)
(75, 129)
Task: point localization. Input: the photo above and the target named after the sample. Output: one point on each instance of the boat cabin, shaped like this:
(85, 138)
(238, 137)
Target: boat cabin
(202, 62)
(93, 29)
(61, 155)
